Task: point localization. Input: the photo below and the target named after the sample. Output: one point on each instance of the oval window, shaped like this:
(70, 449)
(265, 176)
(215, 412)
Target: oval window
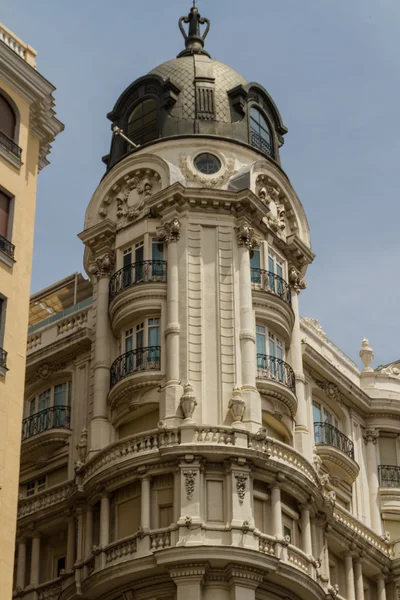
(207, 163)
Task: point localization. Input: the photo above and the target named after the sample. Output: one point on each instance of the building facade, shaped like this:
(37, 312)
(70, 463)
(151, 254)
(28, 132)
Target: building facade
(27, 128)
(187, 436)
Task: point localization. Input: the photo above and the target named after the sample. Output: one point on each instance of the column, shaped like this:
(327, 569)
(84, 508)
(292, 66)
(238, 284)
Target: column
(370, 439)
(104, 527)
(359, 582)
(381, 588)
(252, 416)
(170, 234)
(79, 550)
(244, 582)
(35, 561)
(21, 564)
(69, 564)
(348, 567)
(145, 503)
(306, 530)
(276, 511)
(188, 581)
(314, 538)
(100, 427)
(88, 543)
(303, 440)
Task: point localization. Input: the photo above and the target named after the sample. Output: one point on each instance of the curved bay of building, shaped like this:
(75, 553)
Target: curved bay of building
(187, 435)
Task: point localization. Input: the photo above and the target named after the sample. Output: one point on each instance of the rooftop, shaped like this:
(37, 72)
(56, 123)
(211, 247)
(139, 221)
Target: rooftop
(26, 52)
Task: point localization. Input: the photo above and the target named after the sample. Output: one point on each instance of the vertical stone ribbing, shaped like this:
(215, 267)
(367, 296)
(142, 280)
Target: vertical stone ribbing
(194, 303)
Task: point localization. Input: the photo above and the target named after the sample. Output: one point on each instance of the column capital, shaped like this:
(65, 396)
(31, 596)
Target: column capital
(102, 266)
(296, 281)
(246, 236)
(371, 435)
(170, 231)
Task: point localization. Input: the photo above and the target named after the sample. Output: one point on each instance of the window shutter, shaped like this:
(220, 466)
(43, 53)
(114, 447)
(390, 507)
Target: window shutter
(387, 450)
(4, 214)
(7, 118)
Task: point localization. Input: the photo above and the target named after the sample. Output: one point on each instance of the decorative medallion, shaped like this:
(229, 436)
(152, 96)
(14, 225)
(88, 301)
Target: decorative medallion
(191, 171)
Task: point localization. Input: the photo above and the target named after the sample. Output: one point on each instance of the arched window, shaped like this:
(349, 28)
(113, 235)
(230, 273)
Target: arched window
(7, 118)
(260, 133)
(142, 122)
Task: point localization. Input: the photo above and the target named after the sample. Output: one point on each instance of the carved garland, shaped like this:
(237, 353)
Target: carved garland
(241, 487)
(190, 481)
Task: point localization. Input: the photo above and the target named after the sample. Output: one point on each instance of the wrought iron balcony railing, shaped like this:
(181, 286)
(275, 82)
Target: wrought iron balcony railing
(55, 417)
(3, 358)
(389, 476)
(262, 144)
(327, 434)
(7, 247)
(269, 282)
(10, 145)
(134, 361)
(146, 271)
(271, 367)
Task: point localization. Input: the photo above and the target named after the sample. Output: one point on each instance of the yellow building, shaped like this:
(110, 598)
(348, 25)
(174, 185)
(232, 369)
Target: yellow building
(27, 128)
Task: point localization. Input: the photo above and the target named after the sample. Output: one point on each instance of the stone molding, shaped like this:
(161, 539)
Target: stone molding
(241, 483)
(247, 334)
(102, 266)
(170, 231)
(371, 435)
(209, 181)
(246, 236)
(194, 571)
(190, 482)
(296, 280)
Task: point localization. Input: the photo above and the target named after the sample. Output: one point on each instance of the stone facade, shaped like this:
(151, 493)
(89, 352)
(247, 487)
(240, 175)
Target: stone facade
(205, 442)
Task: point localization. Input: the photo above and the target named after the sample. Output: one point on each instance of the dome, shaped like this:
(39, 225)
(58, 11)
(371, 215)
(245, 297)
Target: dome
(194, 95)
(185, 71)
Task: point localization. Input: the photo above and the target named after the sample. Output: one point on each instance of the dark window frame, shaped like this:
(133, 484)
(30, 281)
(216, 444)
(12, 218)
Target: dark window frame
(138, 136)
(17, 117)
(257, 128)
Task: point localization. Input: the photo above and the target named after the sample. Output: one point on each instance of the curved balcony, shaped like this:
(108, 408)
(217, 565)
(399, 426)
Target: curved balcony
(275, 378)
(336, 451)
(134, 368)
(135, 289)
(47, 428)
(3, 362)
(272, 300)
(389, 476)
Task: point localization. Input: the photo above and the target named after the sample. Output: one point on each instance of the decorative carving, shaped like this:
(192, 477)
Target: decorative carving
(390, 370)
(130, 196)
(333, 591)
(317, 326)
(284, 540)
(82, 449)
(237, 406)
(296, 280)
(44, 371)
(246, 236)
(170, 232)
(367, 355)
(371, 435)
(269, 195)
(188, 402)
(102, 266)
(386, 537)
(317, 460)
(241, 487)
(190, 481)
(208, 181)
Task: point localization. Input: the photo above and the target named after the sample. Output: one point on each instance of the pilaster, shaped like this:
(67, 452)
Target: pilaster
(189, 579)
(244, 582)
(370, 438)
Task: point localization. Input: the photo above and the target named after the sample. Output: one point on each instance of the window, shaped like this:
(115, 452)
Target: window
(143, 262)
(270, 353)
(3, 303)
(322, 416)
(7, 118)
(260, 132)
(157, 257)
(275, 274)
(142, 345)
(127, 260)
(142, 122)
(255, 265)
(207, 163)
(35, 486)
(60, 565)
(49, 409)
(5, 203)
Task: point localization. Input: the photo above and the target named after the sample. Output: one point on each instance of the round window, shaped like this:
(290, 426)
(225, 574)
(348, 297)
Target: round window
(207, 163)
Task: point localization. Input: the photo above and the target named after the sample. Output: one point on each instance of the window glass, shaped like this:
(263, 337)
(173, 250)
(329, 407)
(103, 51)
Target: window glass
(7, 118)
(30, 488)
(44, 400)
(139, 258)
(128, 340)
(157, 256)
(255, 265)
(41, 484)
(60, 394)
(127, 260)
(142, 122)
(4, 213)
(60, 565)
(260, 132)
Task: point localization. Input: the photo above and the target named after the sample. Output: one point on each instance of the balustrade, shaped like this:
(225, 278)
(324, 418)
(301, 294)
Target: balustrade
(6, 246)
(55, 417)
(389, 476)
(121, 549)
(73, 322)
(34, 341)
(146, 271)
(3, 358)
(10, 145)
(271, 367)
(327, 434)
(135, 361)
(272, 283)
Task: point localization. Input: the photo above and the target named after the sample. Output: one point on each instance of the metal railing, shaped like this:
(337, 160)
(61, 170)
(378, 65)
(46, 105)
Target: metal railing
(7, 247)
(269, 282)
(259, 142)
(55, 417)
(146, 271)
(3, 358)
(10, 145)
(134, 361)
(389, 476)
(271, 367)
(327, 434)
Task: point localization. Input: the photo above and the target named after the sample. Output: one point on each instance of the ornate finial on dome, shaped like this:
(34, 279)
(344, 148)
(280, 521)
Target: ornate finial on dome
(194, 41)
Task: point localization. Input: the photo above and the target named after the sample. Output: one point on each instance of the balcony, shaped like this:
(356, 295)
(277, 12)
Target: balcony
(135, 290)
(6, 246)
(3, 362)
(134, 368)
(336, 451)
(275, 378)
(10, 150)
(389, 476)
(147, 271)
(257, 141)
(272, 301)
(47, 428)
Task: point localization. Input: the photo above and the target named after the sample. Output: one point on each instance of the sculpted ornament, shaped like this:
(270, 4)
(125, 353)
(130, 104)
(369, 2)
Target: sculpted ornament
(102, 266)
(190, 481)
(391, 371)
(246, 236)
(333, 590)
(218, 179)
(241, 487)
(269, 195)
(170, 232)
(371, 435)
(296, 281)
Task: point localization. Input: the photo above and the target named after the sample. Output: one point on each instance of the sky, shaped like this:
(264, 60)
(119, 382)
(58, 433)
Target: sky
(333, 69)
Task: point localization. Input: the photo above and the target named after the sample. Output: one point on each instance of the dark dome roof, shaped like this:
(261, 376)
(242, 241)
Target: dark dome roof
(184, 71)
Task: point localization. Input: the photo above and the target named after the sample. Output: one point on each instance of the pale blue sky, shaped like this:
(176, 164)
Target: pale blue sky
(332, 67)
